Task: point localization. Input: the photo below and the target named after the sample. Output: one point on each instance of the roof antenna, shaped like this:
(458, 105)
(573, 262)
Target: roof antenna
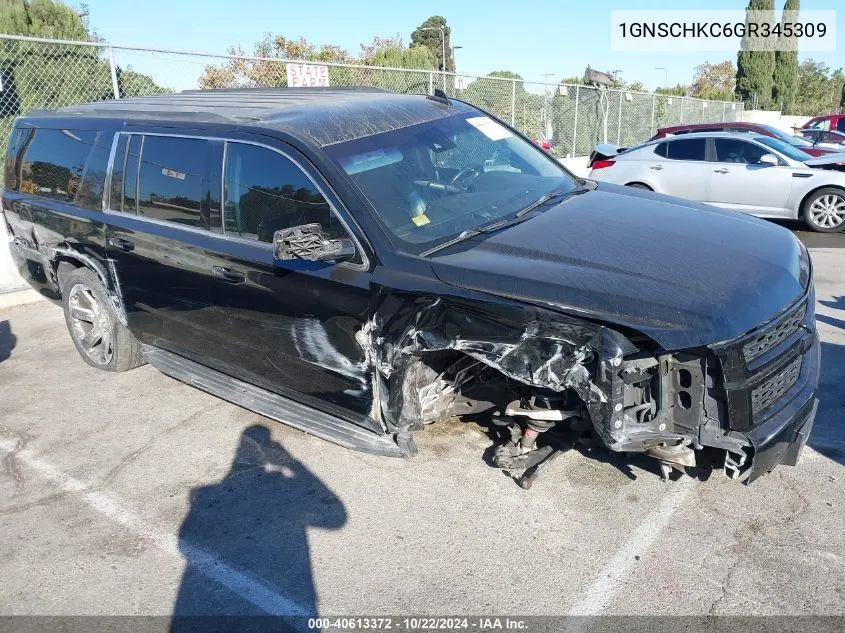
(439, 96)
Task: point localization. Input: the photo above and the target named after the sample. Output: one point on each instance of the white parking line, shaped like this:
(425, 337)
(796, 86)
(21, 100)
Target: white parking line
(266, 597)
(604, 587)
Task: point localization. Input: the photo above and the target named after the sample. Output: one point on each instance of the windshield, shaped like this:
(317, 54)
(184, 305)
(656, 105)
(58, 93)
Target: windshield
(784, 148)
(432, 182)
(787, 138)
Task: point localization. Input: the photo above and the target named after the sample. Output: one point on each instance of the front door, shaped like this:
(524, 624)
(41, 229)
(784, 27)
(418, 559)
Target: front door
(289, 326)
(740, 181)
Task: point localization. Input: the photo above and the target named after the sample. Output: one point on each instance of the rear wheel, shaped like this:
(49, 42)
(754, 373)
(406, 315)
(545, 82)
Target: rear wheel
(99, 336)
(824, 210)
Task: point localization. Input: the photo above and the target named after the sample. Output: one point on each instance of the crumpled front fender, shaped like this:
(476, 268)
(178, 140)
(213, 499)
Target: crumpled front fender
(528, 344)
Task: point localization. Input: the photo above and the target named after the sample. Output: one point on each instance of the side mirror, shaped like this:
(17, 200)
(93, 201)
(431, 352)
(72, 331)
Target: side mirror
(308, 242)
(769, 159)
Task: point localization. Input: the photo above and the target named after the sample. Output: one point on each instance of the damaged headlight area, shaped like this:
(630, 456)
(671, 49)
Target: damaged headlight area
(533, 371)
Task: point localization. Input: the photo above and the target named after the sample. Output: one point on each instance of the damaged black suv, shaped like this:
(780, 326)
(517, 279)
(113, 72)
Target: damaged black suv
(358, 264)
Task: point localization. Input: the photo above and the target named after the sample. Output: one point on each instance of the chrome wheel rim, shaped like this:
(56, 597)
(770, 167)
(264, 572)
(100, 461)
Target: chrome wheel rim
(828, 211)
(90, 324)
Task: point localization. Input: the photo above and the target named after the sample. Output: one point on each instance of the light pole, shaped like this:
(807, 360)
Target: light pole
(454, 48)
(546, 114)
(443, 45)
(665, 77)
(455, 62)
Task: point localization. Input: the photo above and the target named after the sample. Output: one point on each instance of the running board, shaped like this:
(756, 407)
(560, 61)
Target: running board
(271, 405)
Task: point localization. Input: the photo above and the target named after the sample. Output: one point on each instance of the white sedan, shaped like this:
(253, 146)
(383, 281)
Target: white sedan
(759, 175)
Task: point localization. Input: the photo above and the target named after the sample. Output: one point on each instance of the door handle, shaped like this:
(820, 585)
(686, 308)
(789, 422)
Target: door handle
(656, 167)
(722, 171)
(228, 274)
(122, 244)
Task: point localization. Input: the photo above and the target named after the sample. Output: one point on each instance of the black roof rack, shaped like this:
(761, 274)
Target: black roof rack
(325, 115)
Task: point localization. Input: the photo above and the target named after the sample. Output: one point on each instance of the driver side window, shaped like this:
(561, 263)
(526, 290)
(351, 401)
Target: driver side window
(266, 191)
(731, 150)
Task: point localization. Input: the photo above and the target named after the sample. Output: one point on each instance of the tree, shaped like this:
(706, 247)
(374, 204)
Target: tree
(785, 78)
(38, 75)
(714, 81)
(368, 51)
(678, 90)
(41, 18)
(755, 68)
(433, 39)
(819, 89)
(131, 83)
(496, 96)
(401, 57)
(269, 71)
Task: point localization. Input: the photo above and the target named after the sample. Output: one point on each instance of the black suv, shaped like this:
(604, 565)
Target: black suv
(357, 264)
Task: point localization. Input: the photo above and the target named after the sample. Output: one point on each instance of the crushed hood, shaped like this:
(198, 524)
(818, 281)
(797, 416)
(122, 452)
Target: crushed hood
(683, 273)
(836, 158)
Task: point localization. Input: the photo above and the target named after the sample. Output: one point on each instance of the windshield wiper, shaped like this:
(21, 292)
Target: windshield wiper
(501, 224)
(539, 202)
(460, 237)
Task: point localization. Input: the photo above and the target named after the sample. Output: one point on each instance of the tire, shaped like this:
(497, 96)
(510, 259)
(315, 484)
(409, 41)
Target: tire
(639, 185)
(824, 210)
(99, 336)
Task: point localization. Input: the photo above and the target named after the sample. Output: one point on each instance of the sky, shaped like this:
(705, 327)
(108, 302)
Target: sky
(532, 38)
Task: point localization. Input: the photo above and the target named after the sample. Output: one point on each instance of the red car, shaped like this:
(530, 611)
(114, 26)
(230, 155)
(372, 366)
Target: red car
(750, 128)
(826, 122)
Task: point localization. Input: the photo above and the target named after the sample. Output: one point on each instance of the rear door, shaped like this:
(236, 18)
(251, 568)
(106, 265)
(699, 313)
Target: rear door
(741, 182)
(679, 168)
(162, 215)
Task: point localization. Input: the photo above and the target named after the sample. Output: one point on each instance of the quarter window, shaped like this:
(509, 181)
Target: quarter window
(266, 192)
(53, 161)
(169, 179)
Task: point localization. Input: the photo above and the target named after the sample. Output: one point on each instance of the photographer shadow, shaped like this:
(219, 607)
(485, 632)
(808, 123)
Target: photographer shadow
(245, 538)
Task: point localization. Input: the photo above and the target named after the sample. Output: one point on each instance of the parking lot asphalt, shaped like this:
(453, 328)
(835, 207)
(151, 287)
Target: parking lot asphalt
(811, 239)
(134, 494)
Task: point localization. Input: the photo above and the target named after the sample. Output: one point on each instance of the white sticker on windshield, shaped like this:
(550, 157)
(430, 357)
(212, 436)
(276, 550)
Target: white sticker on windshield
(489, 128)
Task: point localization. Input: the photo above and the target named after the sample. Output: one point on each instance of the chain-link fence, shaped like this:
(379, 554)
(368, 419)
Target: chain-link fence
(40, 73)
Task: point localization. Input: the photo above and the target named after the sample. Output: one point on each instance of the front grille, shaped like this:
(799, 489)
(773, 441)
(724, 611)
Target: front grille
(769, 392)
(774, 334)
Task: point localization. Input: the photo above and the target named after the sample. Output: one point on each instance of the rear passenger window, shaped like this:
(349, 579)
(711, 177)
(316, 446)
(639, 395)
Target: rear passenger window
(53, 162)
(130, 174)
(169, 179)
(265, 192)
(90, 195)
(683, 149)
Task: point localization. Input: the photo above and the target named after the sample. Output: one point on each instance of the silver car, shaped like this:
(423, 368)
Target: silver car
(755, 174)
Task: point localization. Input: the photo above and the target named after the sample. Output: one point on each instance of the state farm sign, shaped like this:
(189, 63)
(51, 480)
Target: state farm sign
(307, 75)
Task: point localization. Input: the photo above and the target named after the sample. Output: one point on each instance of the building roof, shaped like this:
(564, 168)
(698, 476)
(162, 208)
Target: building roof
(324, 115)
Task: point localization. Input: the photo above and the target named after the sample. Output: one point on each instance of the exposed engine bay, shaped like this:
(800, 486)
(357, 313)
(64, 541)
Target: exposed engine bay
(551, 382)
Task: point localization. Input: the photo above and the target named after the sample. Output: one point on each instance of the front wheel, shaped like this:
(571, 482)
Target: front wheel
(824, 211)
(100, 338)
